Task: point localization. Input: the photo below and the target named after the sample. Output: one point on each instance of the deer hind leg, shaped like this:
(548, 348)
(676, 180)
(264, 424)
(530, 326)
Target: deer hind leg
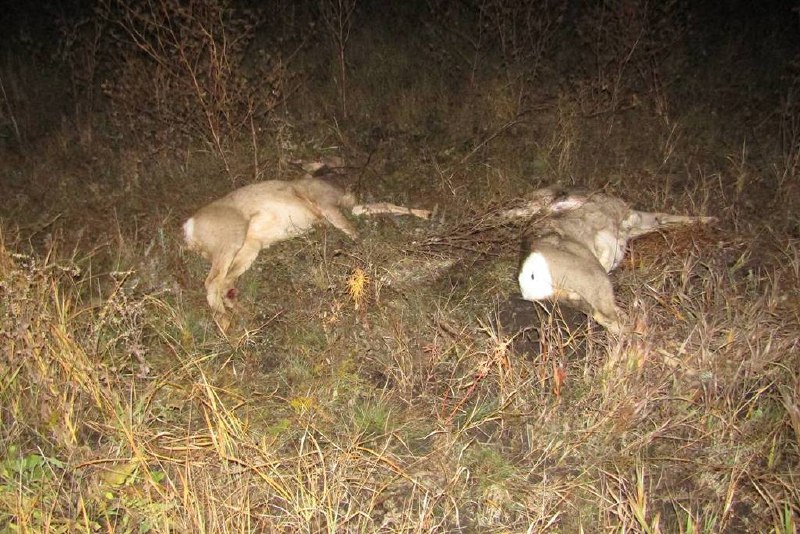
(215, 282)
(598, 303)
(609, 320)
(603, 310)
(245, 256)
(243, 260)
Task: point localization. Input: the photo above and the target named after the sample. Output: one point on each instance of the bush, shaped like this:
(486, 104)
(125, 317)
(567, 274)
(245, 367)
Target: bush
(181, 72)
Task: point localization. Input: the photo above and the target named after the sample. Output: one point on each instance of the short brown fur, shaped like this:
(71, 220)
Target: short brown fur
(586, 240)
(231, 231)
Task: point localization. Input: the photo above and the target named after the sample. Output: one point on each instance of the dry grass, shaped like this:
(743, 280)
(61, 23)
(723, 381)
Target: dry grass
(361, 406)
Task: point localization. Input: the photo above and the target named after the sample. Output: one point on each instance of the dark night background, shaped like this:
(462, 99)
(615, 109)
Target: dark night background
(728, 55)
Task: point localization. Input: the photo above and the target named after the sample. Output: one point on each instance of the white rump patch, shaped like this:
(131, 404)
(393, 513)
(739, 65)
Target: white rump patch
(535, 278)
(188, 230)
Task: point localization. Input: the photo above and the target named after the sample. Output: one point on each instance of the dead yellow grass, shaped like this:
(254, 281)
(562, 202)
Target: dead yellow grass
(413, 414)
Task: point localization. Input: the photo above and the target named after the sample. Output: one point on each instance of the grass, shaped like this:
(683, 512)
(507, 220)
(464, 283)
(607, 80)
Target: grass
(123, 413)
(348, 404)
(397, 383)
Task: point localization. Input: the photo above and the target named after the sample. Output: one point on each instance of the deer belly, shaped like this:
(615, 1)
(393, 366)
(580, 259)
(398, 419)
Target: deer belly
(271, 226)
(609, 248)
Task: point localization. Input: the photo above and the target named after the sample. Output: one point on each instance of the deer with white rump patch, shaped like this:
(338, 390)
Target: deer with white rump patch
(572, 251)
(231, 231)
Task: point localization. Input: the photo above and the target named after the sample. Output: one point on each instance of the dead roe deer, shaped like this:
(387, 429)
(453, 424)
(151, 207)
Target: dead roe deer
(231, 231)
(569, 254)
